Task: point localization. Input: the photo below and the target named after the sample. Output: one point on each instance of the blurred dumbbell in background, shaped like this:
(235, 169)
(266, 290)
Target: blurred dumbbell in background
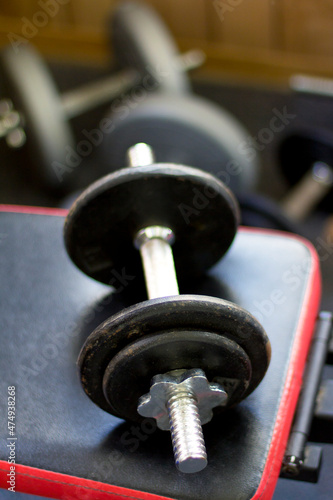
(158, 108)
(36, 116)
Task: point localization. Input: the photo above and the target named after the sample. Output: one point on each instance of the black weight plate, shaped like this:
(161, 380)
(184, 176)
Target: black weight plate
(142, 41)
(299, 151)
(101, 226)
(182, 129)
(31, 88)
(183, 312)
(129, 373)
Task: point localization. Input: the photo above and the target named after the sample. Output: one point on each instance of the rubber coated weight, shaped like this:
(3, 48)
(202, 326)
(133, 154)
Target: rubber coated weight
(103, 222)
(129, 373)
(180, 313)
(299, 151)
(141, 41)
(33, 92)
(182, 129)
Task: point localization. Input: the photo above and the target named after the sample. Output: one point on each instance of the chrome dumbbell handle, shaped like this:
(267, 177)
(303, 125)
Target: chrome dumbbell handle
(157, 259)
(310, 190)
(80, 100)
(154, 243)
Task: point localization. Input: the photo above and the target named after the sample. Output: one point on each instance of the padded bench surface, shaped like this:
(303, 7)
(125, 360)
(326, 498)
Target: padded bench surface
(69, 448)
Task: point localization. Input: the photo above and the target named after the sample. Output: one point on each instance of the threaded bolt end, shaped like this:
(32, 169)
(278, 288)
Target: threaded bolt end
(186, 432)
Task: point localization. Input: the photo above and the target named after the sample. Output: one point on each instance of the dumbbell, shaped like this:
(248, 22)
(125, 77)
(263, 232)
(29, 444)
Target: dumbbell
(147, 53)
(313, 85)
(180, 127)
(306, 160)
(184, 129)
(175, 358)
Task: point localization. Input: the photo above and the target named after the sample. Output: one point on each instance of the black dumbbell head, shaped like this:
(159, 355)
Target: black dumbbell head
(121, 356)
(181, 129)
(31, 88)
(142, 42)
(102, 224)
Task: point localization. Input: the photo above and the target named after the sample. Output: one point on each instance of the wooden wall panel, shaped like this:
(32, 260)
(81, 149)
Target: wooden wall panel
(264, 30)
(308, 26)
(64, 15)
(241, 22)
(304, 26)
(92, 14)
(39, 13)
(185, 18)
(17, 8)
(215, 21)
